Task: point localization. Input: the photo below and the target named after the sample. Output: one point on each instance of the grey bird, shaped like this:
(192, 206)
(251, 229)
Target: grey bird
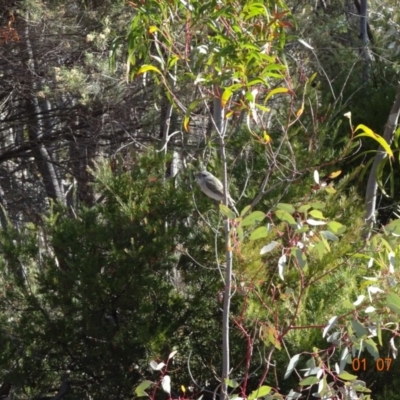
(212, 187)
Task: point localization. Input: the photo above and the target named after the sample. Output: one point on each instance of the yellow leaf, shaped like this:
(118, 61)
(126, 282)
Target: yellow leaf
(225, 97)
(146, 68)
(153, 29)
(335, 174)
(276, 91)
(299, 112)
(186, 121)
(369, 133)
(270, 336)
(266, 137)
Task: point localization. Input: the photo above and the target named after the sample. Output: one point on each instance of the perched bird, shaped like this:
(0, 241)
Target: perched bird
(212, 187)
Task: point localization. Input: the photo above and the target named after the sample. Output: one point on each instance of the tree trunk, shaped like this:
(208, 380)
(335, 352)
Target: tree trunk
(372, 185)
(39, 126)
(364, 37)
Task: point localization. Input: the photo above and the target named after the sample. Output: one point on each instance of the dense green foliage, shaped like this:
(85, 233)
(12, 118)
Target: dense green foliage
(112, 259)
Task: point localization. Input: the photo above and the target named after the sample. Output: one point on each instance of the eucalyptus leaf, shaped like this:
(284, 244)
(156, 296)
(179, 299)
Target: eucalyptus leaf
(252, 219)
(260, 392)
(225, 210)
(329, 236)
(292, 365)
(300, 257)
(232, 383)
(347, 376)
(286, 207)
(285, 217)
(336, 227)
(371, 347)
(314, 222)
(311, 380)
(259, 233)
(331, 324)
(304, 208)
(316, 214)
(140, 390)
(359, 329)
(393, 302)
(269, 247)
(281, 266)
(393, 228)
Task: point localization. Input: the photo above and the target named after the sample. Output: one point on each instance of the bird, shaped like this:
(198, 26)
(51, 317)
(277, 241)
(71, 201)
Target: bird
(212, 187)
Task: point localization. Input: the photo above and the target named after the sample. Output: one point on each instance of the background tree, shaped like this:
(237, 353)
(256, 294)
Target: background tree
(108, 268)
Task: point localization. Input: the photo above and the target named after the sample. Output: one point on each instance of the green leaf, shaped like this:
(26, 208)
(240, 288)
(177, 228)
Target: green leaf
(239, 232)
(253, 218)
(313, 76)
(396, 138)
(244, 211)
(256, 82)
(316, 214)
(322, 387)
(311, 380)
(225, 97)
(321, 249)
(371, 348)
(276, 91)
(303, 229)
(260, 392)
(391, 180)
(300, 257)
(232, 383)
(273, 75)
(140, 390)
(225, 210)
(275, 67)
(325, 242)
(393, 228)
(173, 60)
(193, 105)
(329, 236)
(336, 227)
(379, 333)
(286, 207)
(249, 96)
(233, 88)
(292, 364)
(347, 377)
(369, 133)
(393, 302)
(262, 108)
(304, 208)
(285, 217)
(250, 46)
(259, 233)
(381, 175)
(359, 329)
(330, 190)
(361, 389)
(348, 304)
(318, 205)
